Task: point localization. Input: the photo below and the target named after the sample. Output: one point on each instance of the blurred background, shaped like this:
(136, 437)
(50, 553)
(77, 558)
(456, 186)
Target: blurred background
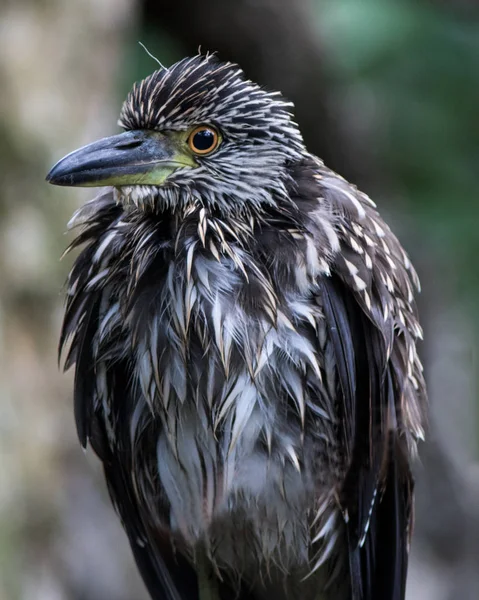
(387, 93)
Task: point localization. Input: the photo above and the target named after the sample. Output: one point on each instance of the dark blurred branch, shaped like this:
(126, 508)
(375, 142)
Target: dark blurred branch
(461, 7)
(277, 45)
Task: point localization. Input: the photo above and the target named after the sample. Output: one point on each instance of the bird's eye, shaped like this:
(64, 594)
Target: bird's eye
(203, 140)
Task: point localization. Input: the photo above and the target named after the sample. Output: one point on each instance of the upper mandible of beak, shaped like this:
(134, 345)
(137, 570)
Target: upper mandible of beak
(130, 158)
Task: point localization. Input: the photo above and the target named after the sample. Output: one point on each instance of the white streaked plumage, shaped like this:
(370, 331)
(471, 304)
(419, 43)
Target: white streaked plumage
(244, 336)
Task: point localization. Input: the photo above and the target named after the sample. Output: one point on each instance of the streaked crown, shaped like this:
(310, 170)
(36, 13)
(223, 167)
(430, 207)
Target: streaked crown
(201, 90)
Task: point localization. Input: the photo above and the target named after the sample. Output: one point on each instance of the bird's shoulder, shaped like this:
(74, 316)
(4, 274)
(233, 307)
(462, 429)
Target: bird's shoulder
(350, 233)
(345, 243)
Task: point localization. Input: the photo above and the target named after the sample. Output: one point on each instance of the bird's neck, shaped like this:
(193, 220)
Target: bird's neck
(213, 230)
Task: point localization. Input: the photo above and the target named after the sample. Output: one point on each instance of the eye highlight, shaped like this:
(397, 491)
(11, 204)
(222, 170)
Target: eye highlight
(203, 140)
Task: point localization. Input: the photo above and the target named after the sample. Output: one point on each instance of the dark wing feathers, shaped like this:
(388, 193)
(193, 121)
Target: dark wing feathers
(368, 307)
(166, 575)
(371, 317)
(376, 493)
(335, 312)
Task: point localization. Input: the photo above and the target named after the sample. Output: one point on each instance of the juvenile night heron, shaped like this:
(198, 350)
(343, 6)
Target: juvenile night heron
(244, 333)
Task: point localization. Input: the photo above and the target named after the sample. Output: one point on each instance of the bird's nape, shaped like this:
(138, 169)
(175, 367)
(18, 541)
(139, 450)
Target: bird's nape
(243, 329)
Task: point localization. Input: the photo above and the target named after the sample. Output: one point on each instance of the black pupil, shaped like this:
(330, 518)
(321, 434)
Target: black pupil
(204, 139)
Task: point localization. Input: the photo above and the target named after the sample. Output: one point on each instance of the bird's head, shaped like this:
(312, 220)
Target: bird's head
(198, 131)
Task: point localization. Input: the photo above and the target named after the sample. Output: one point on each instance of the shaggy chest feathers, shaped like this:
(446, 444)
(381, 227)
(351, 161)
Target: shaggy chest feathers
(208, 364)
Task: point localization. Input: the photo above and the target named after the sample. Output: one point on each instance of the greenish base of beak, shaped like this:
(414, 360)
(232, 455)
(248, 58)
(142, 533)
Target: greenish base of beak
(131, 158)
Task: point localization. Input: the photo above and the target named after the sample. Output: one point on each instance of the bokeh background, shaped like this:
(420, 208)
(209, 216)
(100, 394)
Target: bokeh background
(386, 92)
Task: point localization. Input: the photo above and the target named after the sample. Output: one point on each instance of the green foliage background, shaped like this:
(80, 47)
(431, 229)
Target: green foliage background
(421, 65)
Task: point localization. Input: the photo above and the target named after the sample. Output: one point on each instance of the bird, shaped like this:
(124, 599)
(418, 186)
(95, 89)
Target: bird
(244, 333)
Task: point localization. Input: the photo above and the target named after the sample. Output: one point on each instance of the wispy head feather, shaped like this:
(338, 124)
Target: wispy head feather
(152, 55)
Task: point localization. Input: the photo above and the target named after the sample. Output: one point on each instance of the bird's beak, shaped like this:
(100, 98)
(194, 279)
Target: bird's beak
(131, 158)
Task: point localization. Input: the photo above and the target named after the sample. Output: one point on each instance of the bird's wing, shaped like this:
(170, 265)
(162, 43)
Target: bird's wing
(167, 575)
(368, 306)
(377, 491)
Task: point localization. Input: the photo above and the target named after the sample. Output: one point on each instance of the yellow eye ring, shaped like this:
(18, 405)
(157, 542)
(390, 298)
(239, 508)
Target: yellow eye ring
(203, 140)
